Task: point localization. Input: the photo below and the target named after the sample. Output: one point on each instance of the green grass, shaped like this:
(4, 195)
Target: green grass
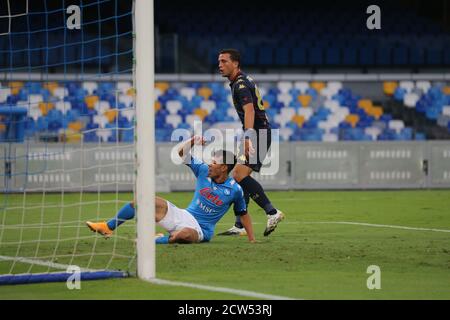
(299, 260)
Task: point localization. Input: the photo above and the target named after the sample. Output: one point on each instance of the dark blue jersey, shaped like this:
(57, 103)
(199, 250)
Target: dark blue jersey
(244, 91)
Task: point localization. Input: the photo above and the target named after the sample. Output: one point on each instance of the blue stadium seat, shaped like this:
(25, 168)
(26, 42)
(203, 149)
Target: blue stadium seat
(127, 136)
(282, 56)
(417, 55)
(265, 55)
(349, 56)
(400, 55)
(383, 56)
(315, 56)
(333, 55)
(367, 56)
(433, 56)
(298, 56)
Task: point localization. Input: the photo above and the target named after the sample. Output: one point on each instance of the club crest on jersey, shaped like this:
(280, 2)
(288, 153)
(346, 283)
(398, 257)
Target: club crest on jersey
(206, 192)
(226, 192)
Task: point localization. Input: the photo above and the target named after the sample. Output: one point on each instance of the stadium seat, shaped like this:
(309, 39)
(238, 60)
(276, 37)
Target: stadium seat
(122, 87)
(90, 87)
(410, 100)
(396, 125)
(349, 56)
(424, 86)
(45, 107)
(367, 56)
(306, 113)
(285, 98)
(91, 101)
(330, 137)
(298, 120)
(265, 56)
(282, 56)
(204, 92)
(315, 56)
(389, 87)
(433, 56)
(298, 55)
(4, 93)
(284, 86)
(352, 119)
(209, 106)
(383, 56)
(173, 106)
(192, 118)
(305, 100)
(188, 92)
(302, 86)
(318, 85)
(332, 55)
(162, 86)
(407, 85)
(174, 120)
(400, 55)
(126, 100)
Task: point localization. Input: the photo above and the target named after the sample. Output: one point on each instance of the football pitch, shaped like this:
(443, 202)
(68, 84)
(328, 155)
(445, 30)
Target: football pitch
(322, 250)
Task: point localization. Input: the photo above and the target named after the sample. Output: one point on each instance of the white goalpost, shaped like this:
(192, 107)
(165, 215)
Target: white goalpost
(145, 141)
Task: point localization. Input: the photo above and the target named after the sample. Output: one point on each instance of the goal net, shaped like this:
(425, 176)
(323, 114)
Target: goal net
(67, 137)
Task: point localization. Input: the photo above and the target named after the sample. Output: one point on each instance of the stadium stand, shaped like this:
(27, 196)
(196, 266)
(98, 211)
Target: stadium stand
(303, 35)
(303, 111)
(422, 105)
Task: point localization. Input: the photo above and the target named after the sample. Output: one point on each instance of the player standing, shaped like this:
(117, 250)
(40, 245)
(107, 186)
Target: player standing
(249, 106)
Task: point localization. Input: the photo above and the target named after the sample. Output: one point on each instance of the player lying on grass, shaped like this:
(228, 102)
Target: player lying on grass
(214, 193)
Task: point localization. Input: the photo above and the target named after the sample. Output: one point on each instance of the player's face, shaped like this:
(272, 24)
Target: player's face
(216, 168)
(226, 66)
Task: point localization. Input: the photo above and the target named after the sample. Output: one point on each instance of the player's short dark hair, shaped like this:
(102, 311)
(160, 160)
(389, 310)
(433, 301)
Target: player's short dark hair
(235, 55)
(228, 158)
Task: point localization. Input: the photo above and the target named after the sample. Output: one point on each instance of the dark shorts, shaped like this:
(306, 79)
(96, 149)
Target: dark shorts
(261, 144)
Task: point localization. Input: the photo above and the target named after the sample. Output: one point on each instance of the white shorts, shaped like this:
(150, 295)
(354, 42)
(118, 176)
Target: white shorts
(177, 219)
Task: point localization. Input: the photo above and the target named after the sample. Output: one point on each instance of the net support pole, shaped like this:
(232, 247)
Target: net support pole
(145, 142)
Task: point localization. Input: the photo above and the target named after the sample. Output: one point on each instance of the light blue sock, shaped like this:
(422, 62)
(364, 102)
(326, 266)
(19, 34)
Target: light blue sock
(124, 214)
(162, 240)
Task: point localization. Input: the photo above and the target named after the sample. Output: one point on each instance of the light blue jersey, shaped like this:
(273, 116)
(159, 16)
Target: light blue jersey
(212, 200)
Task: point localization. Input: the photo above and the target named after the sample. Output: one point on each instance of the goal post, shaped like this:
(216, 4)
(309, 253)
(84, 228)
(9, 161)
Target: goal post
(76, 139)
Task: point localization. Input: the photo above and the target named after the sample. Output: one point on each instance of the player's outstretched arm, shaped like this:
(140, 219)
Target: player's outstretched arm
(186, 147)
(247, 223)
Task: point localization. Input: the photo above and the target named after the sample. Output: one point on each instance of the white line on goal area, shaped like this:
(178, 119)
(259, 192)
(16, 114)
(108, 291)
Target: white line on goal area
(377, 225)
(357, 224)
(244, 293)
(42, 263)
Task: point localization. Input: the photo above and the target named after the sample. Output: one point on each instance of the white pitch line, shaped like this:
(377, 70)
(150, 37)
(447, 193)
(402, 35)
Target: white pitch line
(238, 292)
(377, 225)
(42, 263)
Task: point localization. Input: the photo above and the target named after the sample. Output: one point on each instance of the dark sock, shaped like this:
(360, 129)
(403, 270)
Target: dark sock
(256, 192)
(238, 223)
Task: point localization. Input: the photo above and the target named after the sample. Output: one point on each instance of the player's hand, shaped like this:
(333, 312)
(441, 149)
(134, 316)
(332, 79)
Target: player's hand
(249, 150)
(199, 140)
